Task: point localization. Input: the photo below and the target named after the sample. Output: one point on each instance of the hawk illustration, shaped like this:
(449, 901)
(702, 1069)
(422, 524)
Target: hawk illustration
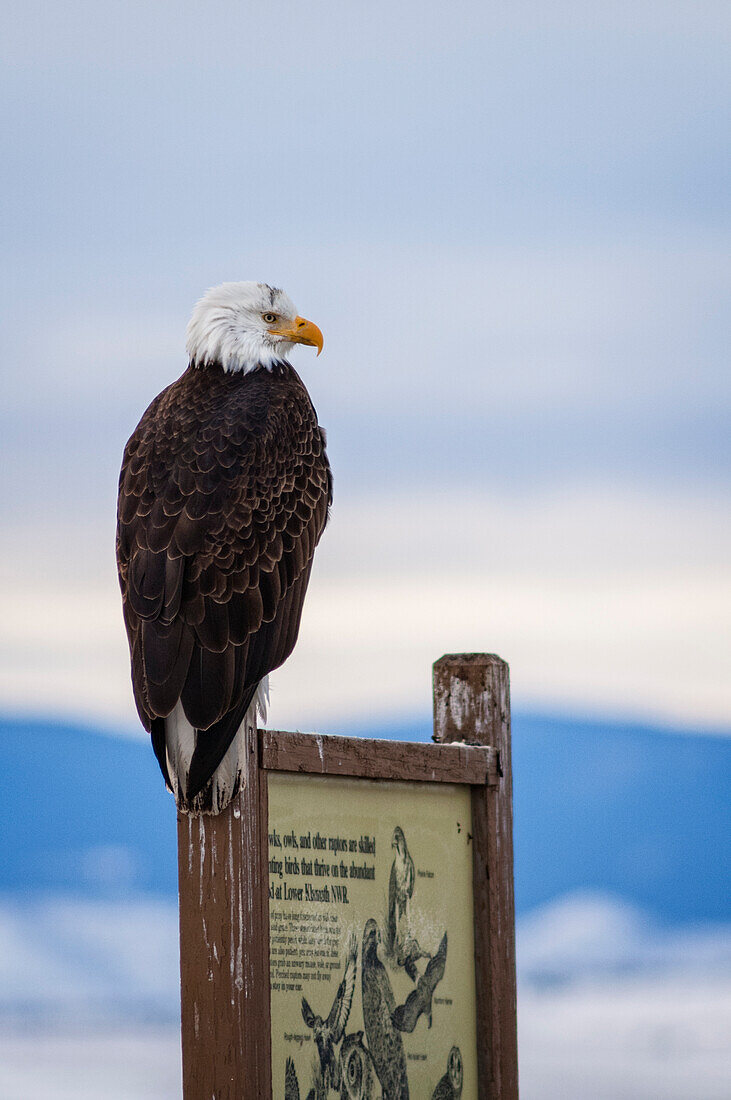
(419, 1002)
(402, 947)
(401, 883)
(328, 1033)
(223, 496)
(384, 1040)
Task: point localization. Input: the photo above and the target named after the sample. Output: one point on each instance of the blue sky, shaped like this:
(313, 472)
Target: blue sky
(511, 223)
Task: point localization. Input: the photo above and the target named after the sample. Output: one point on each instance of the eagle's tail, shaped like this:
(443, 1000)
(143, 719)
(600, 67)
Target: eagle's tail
(182, 754)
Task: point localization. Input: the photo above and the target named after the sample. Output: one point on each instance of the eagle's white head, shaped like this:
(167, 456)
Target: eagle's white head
(246, 325)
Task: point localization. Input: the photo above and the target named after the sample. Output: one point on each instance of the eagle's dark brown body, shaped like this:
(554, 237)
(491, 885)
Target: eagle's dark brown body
(223, 495)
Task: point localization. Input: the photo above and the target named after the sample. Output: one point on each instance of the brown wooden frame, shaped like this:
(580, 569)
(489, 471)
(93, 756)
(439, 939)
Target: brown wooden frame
(224, 896)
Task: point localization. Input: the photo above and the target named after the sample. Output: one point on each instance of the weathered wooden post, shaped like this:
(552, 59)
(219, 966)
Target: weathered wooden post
(472, 704)
(224, 947)
(307, 801)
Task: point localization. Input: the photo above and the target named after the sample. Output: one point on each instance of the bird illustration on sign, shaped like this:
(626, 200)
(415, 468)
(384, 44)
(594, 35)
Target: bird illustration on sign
(450, 1085)
(328, 1032)
(402, 947)
(384, 1039)
(419, 1001)
(355, 1065)
(358, 1078)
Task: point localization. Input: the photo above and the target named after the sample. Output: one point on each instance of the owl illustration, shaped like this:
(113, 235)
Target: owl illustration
(450, 1086)
(384, 1039)
(329, 1032)
(357, 1077)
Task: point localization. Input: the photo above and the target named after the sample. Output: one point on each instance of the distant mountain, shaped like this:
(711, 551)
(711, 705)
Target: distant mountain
(84, 813)
(625, 810)
(619, 808)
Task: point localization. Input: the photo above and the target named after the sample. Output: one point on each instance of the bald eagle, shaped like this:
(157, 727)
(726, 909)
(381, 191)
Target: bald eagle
(223, 496)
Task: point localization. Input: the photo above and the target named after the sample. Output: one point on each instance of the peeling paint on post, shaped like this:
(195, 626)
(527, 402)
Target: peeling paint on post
(224, 947)
(472, 704)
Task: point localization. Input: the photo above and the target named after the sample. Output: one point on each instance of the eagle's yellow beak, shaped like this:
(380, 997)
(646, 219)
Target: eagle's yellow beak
(299, 331)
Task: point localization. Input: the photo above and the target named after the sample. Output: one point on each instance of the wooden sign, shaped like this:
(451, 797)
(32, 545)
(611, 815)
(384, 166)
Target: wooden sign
(347, 924)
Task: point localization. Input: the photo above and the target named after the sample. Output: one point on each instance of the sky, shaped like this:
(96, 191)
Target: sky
(511, 222)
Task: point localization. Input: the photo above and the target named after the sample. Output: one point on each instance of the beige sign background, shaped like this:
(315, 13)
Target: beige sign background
(371, 939)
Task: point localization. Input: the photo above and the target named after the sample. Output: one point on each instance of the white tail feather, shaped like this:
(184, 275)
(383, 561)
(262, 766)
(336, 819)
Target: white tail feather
(230, 775)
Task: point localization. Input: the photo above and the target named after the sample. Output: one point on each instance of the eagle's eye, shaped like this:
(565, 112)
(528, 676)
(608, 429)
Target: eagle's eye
(270, 318)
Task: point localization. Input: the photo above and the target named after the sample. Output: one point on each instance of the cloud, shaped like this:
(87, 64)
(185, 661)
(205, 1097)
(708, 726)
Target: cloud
(597, 329)
(626, 1039)
(587, 936)
(500, 371)
(609, 1005)
(172, 34)
(509, 226)
(119, 958)
(117, 1063)
(78, 962)
(596, 599)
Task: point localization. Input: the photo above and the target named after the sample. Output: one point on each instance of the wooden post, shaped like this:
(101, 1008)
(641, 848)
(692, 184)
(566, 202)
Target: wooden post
(472, 704)
(224, 946)
(224, 885)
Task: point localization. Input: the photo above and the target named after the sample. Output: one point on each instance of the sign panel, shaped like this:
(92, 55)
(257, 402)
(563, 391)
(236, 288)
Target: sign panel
(372, 966)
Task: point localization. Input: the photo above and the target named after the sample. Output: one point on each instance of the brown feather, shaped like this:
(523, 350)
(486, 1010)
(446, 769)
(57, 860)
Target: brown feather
(163, 696)
(208, 686)
(223, 496)
(212, 631)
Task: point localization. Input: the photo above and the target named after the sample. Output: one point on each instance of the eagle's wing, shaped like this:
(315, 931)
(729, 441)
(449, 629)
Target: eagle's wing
(340, 1011)
(219, 512)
